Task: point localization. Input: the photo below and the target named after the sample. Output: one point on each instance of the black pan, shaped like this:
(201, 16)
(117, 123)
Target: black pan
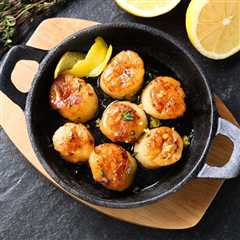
(160, 52)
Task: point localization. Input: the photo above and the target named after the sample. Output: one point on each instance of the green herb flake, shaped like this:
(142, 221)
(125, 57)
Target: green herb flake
(186, 140)
(98, 122)
(154, 122)
(127, 116)
(147, 132)
(102, 173)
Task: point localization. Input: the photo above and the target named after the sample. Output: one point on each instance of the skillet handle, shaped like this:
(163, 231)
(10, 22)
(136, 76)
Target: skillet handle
(232, 168)
(20, 52)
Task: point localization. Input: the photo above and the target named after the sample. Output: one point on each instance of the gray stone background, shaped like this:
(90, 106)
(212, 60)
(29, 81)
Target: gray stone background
(32, 208)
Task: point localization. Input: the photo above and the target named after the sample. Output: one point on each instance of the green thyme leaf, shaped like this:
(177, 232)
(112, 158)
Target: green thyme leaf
(127, 116)
(102, 173)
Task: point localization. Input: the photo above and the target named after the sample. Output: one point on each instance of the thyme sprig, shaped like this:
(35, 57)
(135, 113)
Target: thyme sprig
(15, 13)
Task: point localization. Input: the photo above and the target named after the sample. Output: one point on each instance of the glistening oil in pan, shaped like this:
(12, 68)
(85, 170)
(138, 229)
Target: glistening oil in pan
(145, 179)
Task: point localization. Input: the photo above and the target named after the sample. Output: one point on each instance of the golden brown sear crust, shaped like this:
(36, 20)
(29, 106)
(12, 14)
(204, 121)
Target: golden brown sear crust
(75, 99)
(123, 122)
(112, 166)
(124, 75)
(159, 147)
(74, 142)
(163, 98)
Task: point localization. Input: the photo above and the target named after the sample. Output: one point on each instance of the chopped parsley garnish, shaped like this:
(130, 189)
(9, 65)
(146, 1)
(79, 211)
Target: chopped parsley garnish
(154, 122)
(98, 122)
(186, 140)
(102, 173)
(127, 116)
(147, 132)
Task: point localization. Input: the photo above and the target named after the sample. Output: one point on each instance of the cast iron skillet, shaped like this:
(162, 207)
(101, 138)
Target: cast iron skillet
(159, 51)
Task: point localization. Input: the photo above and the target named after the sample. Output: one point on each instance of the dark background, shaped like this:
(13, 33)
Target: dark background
(32, 208)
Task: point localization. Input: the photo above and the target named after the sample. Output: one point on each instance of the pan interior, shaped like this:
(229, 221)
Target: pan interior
(161, 57)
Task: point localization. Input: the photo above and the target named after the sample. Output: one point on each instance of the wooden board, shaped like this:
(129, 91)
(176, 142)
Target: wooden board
(180, 210)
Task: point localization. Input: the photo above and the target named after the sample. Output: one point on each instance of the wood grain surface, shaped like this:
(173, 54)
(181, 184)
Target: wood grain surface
(180, 210)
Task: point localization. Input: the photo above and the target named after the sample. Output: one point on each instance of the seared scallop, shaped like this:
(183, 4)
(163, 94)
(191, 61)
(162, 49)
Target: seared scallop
(123, 122)
(112, 166)
(163, 98)
(124, 75)
(74, 142)
(75, 99)
(159, 147)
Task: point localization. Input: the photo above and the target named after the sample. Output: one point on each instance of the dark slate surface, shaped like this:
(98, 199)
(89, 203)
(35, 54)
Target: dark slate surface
(32, 208)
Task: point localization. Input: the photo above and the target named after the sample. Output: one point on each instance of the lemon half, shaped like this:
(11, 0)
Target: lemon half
(213, 27)
(147, 8)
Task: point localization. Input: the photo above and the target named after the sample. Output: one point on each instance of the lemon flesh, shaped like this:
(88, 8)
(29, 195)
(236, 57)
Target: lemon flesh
(147, 8)
(67, 61)
(95, 57)
(213, 27)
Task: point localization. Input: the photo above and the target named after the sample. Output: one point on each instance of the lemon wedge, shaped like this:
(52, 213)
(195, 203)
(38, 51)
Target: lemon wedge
(95, 60)
(67, 61)
(213, 27)
(147, 8)
(99, 69)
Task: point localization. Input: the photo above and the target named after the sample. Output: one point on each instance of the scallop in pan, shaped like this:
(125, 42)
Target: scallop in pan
(159, 147)
(123, 76)
(163, 98)
(75, 99)
(112, 166)
(123, 121)
(74, 142)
